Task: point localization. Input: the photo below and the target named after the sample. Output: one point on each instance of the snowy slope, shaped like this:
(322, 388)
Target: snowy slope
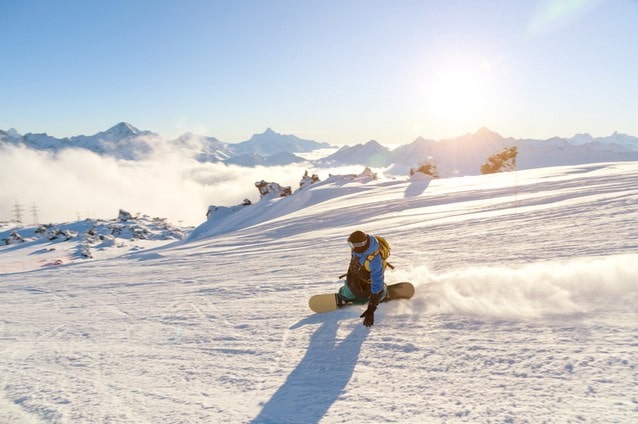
(524, 312)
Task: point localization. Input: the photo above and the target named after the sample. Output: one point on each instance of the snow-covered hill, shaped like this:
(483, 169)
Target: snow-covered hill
(524, 311)
(202, 148)
(26, 248)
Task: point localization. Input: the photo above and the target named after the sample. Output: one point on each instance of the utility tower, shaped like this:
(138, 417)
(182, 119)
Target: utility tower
(17, 212)
(34, 214)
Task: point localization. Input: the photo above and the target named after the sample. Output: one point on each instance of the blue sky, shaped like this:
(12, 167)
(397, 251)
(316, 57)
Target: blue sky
(337, 71)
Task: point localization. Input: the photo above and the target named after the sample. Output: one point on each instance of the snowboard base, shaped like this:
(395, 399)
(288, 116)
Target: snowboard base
(329, 302)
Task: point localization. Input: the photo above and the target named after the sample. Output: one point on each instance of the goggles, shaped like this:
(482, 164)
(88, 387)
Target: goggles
(355, 245)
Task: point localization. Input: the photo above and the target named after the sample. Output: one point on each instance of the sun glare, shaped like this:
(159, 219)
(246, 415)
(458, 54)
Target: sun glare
(551, 15)
(454, 94)
(457, 97)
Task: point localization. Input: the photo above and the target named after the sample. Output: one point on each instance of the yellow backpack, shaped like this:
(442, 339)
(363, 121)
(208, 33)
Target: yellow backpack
(383, 250)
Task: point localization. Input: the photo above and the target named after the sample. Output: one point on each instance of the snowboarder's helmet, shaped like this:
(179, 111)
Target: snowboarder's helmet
(358, 241)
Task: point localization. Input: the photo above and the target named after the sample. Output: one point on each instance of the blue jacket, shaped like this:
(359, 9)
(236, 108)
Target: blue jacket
(376, 265)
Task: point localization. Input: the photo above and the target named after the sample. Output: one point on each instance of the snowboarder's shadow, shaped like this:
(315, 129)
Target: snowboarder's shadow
(321, 376)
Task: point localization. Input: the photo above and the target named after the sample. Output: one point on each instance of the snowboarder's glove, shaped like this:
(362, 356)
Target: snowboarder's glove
(368, 315)
(375, 299)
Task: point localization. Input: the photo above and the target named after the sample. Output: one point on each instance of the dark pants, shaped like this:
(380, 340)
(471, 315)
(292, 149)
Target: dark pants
(347, 294)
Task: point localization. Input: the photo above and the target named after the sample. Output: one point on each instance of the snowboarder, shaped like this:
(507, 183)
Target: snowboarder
(365, 277)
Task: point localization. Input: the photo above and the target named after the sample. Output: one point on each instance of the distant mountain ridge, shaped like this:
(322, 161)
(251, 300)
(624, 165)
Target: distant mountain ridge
(124, 141)
(269, 142)
(464, 155)
(461, 155)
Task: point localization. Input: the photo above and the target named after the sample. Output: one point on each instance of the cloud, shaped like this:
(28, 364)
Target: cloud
(167, 184)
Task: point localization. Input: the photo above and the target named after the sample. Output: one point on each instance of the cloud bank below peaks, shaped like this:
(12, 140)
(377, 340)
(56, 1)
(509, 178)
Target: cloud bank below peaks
(74, 183)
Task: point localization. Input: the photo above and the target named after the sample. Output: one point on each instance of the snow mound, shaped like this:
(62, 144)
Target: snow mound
(57, 244)
(277, 202)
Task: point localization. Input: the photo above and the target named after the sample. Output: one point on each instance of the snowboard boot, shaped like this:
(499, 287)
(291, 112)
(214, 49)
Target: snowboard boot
(342, 301)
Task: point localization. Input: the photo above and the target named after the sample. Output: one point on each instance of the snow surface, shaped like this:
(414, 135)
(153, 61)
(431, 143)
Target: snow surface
(525, 311)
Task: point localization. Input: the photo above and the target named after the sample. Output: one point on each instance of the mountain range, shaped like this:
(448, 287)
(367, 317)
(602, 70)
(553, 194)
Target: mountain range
(126, 142)
(461, 155)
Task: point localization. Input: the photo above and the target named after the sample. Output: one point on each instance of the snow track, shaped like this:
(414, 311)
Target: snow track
(524, 312)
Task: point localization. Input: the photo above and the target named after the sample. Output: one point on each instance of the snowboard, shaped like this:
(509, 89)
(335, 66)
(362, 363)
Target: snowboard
(328, 302)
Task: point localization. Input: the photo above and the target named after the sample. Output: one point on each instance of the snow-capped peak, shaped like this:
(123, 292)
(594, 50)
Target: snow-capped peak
(581, 138)
(13, 133)
(486, 133)
(270, 142)
(123, 129)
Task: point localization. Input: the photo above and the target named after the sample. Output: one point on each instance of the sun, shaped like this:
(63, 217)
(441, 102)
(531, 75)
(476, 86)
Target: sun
(455, 94)
(456, 97)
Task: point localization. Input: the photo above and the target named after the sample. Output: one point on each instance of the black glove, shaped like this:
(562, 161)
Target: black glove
(368, 315)
(375, 299)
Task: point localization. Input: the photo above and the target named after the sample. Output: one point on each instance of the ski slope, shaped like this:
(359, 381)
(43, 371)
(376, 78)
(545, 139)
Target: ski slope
(525, 311)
